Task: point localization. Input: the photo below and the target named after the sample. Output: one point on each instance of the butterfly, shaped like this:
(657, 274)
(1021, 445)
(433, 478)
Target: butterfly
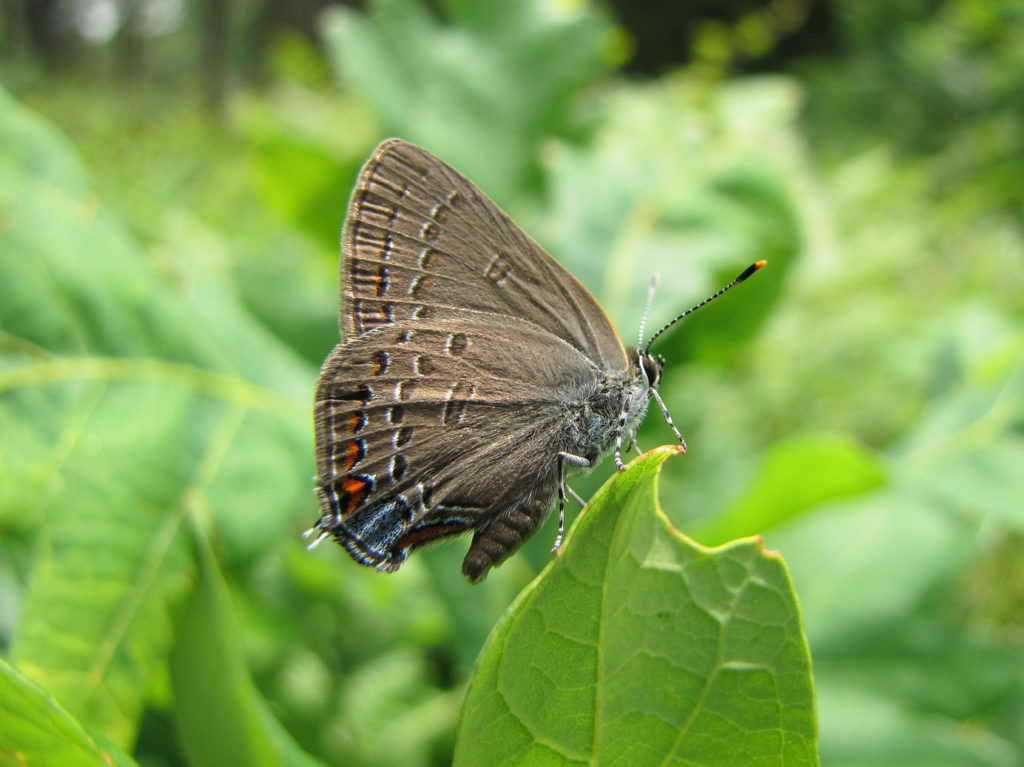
(474, 373)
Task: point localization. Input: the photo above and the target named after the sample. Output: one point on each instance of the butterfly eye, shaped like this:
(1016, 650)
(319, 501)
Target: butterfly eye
(652, 369)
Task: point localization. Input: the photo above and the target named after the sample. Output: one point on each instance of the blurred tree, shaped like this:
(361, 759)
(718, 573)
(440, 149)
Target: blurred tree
(763, 35)
(50, 36)
(131, 50)
(215, 54)
(276, 16)
(12, 27)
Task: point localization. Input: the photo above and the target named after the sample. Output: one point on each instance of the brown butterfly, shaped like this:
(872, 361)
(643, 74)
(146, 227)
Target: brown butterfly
(474, 372)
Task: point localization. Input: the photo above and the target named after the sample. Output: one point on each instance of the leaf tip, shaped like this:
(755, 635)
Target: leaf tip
(667, 449)
(758, 541)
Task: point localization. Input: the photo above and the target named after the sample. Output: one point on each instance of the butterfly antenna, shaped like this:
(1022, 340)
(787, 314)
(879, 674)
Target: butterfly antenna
(647, 307)
(746, 273)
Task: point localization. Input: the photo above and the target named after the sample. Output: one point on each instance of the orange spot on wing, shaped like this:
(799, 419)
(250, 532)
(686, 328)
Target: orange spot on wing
(356, 491)
(356, 422)
(353, 453)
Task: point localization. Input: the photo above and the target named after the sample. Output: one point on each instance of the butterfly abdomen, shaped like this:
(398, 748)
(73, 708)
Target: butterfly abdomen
(501, 538)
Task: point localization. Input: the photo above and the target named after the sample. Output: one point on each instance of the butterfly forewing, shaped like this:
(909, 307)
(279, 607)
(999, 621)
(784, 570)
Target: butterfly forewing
(419, 236)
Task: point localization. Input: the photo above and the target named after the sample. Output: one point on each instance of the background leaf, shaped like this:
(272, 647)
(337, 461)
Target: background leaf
(222, 718)
(148, 409)
(511, 71)
(39, 732)
(798, 475)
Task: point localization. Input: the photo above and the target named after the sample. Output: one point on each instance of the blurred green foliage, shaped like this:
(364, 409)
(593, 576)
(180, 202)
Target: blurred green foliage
(168, 289)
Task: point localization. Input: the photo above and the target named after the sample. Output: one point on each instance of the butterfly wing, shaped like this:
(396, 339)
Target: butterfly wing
(419, 235)
(428, 429)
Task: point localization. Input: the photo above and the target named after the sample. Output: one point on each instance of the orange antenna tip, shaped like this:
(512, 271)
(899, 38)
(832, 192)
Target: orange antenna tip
(746, 273)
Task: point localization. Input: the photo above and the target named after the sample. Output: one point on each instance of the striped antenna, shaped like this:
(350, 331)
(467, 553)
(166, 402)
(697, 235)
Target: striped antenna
(647, 307)
(746, 273)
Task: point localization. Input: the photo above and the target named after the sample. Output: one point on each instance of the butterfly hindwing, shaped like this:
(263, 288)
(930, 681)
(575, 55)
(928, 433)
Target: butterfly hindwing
(424, 431)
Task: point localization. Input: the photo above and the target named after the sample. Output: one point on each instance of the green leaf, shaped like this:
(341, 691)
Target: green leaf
(795, 477)
(134, 396)
(95, 622)
(637, 646)
(221, 717)
(37, 731)
(305, 184)
(869, 560)
(966, 453)
(480, 91)
(896, 658)
(873, 730)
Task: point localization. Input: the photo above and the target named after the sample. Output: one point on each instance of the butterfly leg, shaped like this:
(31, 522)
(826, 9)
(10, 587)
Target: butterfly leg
(575, 496)
(668, 418)
(619, 428)
(576, 460)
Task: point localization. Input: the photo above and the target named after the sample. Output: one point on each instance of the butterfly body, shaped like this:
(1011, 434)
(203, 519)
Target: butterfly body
(474, 373)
